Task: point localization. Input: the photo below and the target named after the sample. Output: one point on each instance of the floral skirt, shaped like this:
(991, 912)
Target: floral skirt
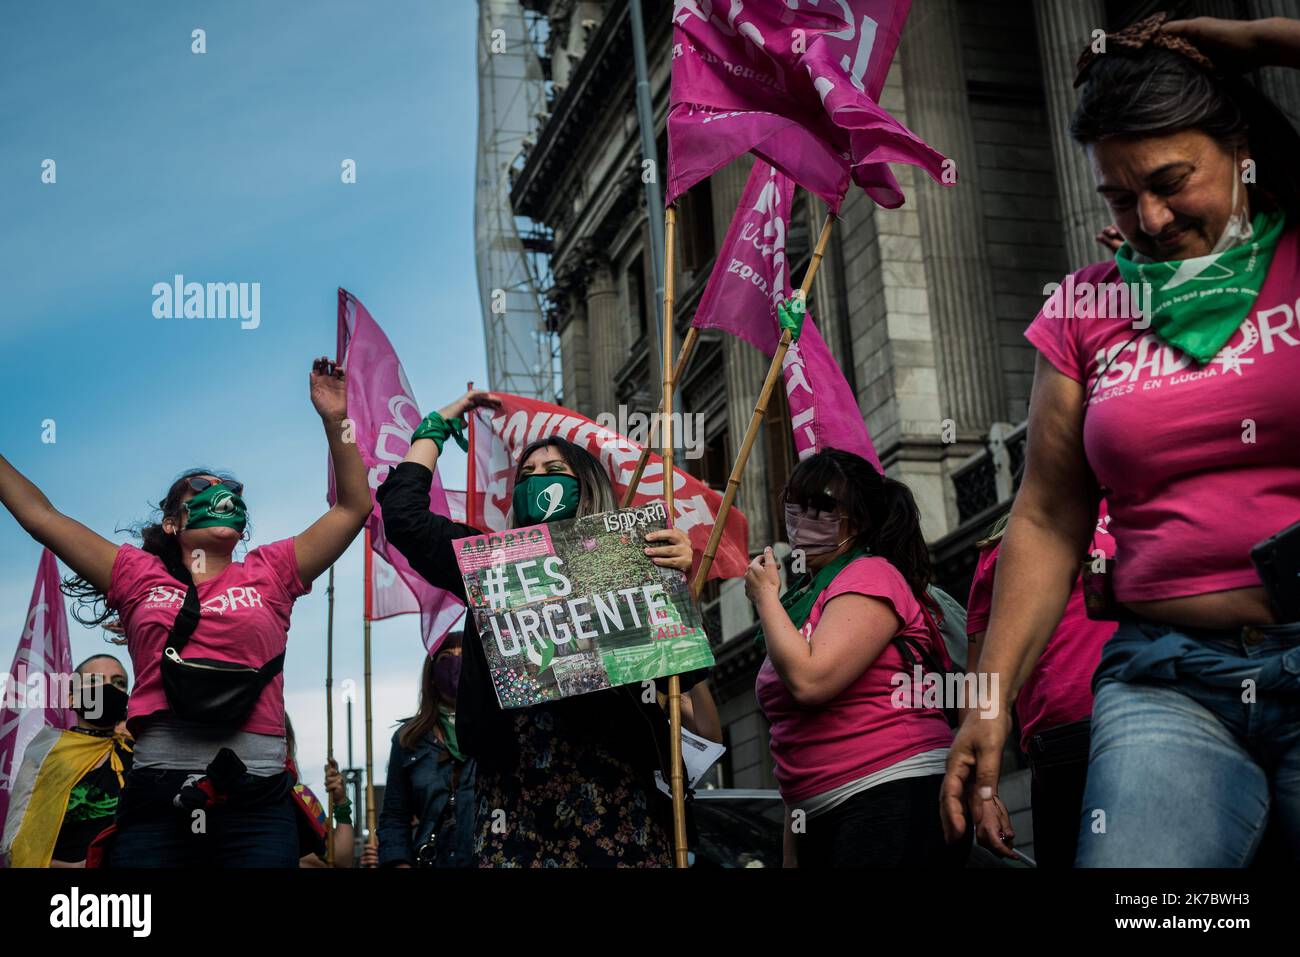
(568, 803)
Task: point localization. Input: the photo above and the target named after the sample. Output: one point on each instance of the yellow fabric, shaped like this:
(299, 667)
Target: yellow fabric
(71, 759)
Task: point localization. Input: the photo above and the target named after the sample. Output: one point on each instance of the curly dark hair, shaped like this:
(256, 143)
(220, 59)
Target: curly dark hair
(91, 605)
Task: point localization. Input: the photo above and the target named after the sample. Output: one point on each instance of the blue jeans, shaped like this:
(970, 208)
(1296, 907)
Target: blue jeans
(1195, 747)
(257, 827)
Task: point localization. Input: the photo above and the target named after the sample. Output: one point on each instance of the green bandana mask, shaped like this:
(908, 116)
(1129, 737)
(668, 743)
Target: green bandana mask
(217, 506)
(1197, 304)
(802, 594)
(545, 498)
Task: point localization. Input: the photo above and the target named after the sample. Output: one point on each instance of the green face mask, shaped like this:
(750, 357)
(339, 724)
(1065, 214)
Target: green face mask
(545, 498)
(217, 506)
(1197, 304)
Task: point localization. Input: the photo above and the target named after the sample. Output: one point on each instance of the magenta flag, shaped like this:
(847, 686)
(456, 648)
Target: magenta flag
(750, 278)
(823, 409)
(35, 685)
(797, 83)
(384, 413)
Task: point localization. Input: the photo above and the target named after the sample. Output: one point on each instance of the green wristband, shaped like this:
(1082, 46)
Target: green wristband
(343, 813)
(790, 315)
(437, 428)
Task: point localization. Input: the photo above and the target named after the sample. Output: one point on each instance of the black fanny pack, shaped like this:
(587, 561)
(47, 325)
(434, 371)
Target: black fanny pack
(207, 691)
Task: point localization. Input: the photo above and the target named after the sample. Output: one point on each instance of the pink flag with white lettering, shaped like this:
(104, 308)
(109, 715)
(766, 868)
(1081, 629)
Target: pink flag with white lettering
(750, 279)
(384, 413)
(42, 666)
(797, 83)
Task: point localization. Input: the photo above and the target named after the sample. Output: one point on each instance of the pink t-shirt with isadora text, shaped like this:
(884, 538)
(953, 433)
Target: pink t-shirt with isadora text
(1059, 689)
(244, 618)
(1200, 463)
(859, 731)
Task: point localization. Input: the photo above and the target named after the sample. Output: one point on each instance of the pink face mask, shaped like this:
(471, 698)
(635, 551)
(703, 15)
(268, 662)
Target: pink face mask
(814, 532)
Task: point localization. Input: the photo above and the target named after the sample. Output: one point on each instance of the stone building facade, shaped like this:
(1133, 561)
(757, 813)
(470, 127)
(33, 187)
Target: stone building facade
(924, 306)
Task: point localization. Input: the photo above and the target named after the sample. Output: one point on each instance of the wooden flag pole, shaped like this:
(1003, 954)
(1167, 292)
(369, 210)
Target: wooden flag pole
(677, 778)
(329, 710)
(756, 420)
(372, 838)
(679, 369)
(471, 479)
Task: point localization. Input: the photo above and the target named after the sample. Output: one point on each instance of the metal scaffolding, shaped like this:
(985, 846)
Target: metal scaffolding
(522, 351)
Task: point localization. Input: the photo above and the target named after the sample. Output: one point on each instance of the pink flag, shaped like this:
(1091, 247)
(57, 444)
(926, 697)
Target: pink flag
(501, 434)
(796, 82)
(750, 279)
(823, 410)
(34, 688)
(384, 411)
(750, 276)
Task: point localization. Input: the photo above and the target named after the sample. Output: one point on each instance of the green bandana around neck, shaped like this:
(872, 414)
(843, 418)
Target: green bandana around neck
(1197, 304)
(545, 498)
(803, 593)
(217, 506)
(448, 721)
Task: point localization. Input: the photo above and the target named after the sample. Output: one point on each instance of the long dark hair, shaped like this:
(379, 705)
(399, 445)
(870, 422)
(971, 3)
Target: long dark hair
(90, 605)
(882, 509)
(1155, 92)
(595, 491)
(426, 717)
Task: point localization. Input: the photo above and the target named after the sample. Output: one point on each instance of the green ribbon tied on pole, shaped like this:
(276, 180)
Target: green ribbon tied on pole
(790, 315)
(437, 428)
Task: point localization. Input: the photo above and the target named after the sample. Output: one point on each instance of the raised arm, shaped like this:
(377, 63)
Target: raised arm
(1038, 562)
(88, 554)
(329, 536)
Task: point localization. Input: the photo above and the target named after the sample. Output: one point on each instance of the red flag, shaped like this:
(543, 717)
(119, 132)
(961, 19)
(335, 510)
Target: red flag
(384, 413)
(501, 434)
(33, 689)
(796, 82)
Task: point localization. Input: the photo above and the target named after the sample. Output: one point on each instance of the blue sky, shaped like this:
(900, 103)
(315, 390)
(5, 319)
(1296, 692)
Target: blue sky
(225, 167)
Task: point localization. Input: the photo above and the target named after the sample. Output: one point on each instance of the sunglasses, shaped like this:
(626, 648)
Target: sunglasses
(199, 483)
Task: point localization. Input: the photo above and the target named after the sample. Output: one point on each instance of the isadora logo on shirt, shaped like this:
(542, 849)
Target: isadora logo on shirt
(231, 599)
(1151, 362)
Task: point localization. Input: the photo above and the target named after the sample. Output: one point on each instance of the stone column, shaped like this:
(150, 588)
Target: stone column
(1064, 29)
(744, 368)
(952, 223)
(603, 318)
(575, 364)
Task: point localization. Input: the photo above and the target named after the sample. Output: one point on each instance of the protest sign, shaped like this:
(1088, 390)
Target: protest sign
(576, 606)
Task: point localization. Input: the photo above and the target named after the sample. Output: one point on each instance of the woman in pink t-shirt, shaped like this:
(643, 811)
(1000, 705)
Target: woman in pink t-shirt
(857, 744)
(1166, 382)
(244, 803)
(1055, 704)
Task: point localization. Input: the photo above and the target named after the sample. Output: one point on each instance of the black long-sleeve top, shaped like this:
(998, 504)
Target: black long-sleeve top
(617, 718)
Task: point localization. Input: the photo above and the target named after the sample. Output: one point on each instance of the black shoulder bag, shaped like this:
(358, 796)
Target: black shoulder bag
(207, 691)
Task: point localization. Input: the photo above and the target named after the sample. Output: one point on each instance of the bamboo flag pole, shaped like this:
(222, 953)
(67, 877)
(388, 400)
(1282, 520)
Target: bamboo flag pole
(677, 778)
(329, 710)
(679, 369)
(471, 478)
(372, 838)
(756, 420)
